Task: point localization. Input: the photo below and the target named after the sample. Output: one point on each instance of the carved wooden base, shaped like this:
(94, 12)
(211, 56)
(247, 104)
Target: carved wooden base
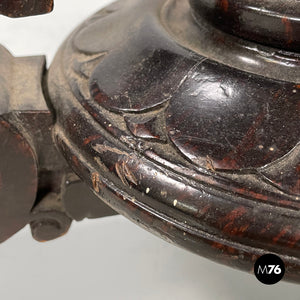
(190, 132)
(180, 115)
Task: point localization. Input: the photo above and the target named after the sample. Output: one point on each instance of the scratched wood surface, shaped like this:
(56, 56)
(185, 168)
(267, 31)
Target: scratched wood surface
(203, 154)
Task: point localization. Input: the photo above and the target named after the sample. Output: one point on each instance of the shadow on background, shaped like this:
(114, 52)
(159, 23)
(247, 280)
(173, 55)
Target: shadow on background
(112, 258)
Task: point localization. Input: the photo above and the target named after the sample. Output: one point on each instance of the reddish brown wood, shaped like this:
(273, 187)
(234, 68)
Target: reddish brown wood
(179, 114)
(24, 8)
(205, 154)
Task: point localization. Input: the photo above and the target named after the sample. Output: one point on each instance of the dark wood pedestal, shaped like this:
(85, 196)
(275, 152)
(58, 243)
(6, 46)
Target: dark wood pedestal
(184, 117)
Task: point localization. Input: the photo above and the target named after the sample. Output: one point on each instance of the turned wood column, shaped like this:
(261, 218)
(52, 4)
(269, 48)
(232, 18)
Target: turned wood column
(269, 22)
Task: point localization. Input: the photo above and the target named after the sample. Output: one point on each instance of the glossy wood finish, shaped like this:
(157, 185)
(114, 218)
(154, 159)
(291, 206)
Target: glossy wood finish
(204, 154)
(269, 22)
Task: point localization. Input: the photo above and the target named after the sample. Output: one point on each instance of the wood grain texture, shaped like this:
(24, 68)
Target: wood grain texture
(204, 155)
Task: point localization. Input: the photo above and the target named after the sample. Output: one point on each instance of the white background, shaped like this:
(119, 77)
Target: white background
(109, 258)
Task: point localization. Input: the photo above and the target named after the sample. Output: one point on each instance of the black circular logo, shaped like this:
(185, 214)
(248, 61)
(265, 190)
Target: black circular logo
(269, 269)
